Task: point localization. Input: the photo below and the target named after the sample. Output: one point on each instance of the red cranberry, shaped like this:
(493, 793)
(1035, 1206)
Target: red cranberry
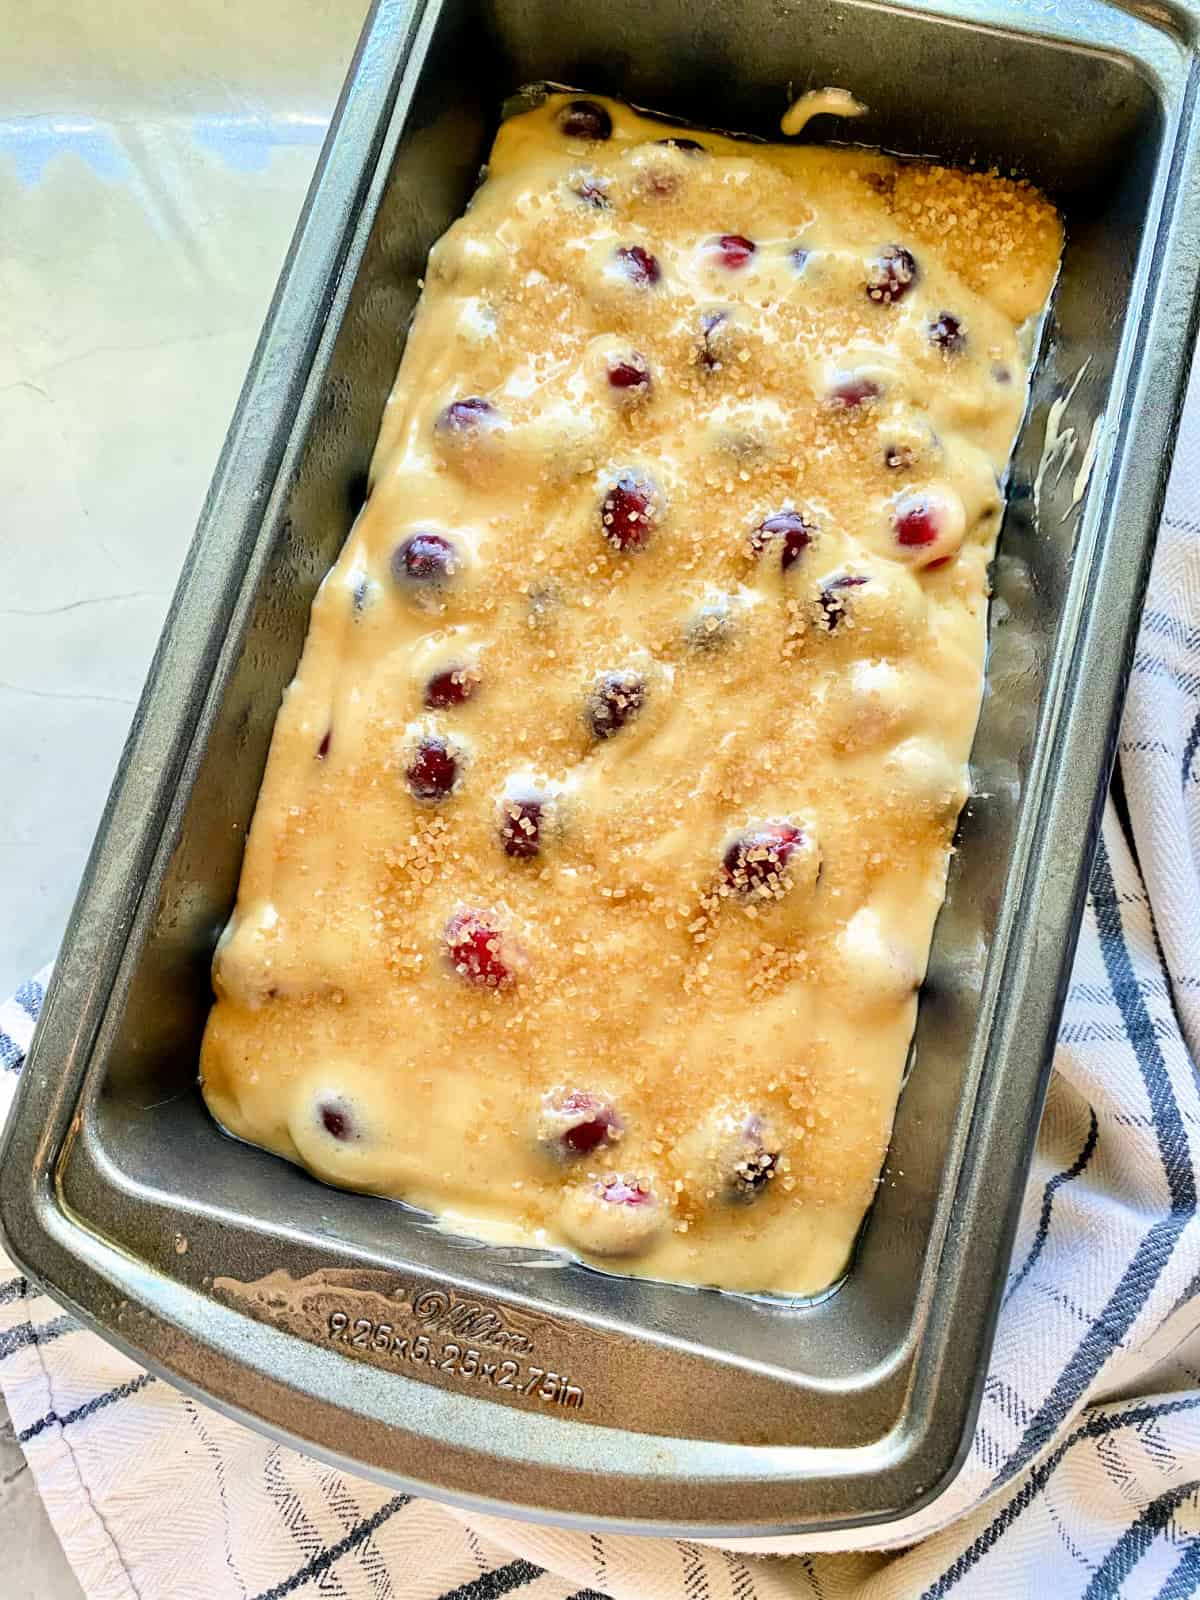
(618, 1191)
(894, 273)
(594, 191)
(690, 147)
(521, 828)
(584, 119)
(915, 524)
(735, 250)
(475, 949)
(426, 558)
(629, 511)
(575, 1123)
(833, 596)
(337, 1121)
(789, 530)
(755, 863)
(468, 418)
(433, 770)
(615, 700)
(323, 747)
(638, 265)
(851, 390)
(453, 687)
(710, 324)
(632, 377)
(946, 332)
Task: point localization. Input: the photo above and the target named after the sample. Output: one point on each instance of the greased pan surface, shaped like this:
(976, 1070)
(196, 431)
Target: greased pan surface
(494, 1376)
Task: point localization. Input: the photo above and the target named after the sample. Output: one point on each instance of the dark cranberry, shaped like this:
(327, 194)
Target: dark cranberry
(755, 863)
(584, 119)
(915, 524)
(833, 596)
(799, 257)
(575, 1123)
(323, 747)
(754, 1163)
(691, 147)
(617, 1191)
(453, 687)
(710, 324)
(899, 457)
(895, 272)
(851, 390)
(467, 418)
(336, 1120)
(946, 332)
(594, 191)
(614, 701)
(433, 770)
(521, 828)
(638, 265)
(629, 511)
(632, 376)
(475, 949)
(425, 558)
(735, 250)
(789, 530)
(753, 1172)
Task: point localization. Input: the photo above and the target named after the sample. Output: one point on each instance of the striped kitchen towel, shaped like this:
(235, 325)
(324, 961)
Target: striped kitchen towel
(1083, 1479)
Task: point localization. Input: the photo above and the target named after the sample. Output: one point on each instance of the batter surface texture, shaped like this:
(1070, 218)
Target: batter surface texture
(607, 818)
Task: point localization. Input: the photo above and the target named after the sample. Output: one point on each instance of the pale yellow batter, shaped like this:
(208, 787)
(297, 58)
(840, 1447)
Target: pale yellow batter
(607, 818)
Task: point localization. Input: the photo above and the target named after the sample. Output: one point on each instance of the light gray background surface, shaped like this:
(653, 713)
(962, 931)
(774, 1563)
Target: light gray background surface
(153, 159)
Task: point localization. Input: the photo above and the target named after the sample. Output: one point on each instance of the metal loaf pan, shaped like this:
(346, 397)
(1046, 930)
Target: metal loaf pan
(348, 1324)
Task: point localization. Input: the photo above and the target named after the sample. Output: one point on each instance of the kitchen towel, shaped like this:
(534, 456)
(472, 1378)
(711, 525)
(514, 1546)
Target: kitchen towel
(1083, 1478)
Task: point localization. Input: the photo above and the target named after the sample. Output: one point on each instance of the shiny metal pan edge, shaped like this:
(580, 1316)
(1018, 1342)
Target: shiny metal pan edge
(499, 1378)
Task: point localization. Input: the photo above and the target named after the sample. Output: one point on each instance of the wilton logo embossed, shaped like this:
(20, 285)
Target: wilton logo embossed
(444, 1313)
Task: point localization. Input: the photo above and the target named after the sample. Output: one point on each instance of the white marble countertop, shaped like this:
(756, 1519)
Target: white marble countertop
(150, 177)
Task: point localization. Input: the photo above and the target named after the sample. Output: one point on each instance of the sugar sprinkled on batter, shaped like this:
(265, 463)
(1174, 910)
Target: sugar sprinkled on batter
(607, 818)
